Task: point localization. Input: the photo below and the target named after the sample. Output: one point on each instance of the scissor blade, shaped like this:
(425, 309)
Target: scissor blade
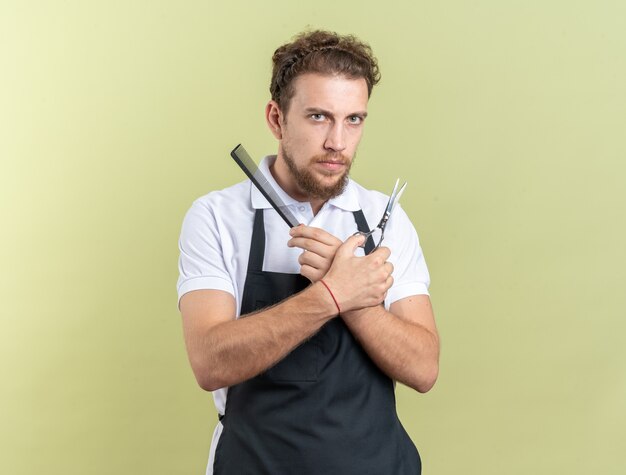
(389, 203)
(393, 194)
(397, 197)
(257, 177)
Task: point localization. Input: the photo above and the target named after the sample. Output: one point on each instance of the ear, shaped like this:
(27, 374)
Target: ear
(274, 119)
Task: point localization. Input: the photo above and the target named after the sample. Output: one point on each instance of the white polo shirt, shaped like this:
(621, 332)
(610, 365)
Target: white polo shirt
(217, 231)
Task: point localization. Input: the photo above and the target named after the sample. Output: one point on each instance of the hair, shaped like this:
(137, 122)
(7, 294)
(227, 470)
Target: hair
(323, 52)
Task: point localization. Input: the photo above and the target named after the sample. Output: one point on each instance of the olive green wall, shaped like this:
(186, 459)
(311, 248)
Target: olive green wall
(506, 117)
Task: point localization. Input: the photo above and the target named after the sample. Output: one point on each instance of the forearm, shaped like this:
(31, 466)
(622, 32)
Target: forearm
(236, 350)
(224, 351)
(406, 351)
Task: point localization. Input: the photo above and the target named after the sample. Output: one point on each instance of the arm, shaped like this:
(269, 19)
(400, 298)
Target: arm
(224, 351)
(403, 341)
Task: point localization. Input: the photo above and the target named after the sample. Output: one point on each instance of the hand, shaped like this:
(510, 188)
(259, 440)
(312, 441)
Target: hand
(359, 282)
(319, 250)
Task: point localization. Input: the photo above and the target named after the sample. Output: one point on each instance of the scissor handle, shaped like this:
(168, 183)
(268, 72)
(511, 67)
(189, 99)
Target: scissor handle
(365, 235)
(368, 234)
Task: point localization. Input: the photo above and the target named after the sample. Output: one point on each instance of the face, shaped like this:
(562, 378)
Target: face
(319, 135)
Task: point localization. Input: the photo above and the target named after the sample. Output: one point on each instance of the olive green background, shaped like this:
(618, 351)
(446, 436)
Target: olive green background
(506, 117)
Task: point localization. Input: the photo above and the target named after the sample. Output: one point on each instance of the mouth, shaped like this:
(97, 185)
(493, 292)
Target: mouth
(331, 165)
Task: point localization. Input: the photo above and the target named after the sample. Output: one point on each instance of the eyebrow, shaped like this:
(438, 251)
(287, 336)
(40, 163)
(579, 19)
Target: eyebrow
(317, 110)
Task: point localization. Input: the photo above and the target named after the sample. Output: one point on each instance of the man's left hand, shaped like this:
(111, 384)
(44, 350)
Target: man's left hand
(319, 250)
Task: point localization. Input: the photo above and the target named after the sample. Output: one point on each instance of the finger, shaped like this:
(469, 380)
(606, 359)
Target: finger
(313, 260)
(388, 267)
(383, 252)
(311, 273)
(388, 284)
(312, 246)
(316, 234)
(350, 245)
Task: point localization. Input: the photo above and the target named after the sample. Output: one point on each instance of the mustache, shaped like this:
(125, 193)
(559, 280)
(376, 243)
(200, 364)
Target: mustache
(331, 157)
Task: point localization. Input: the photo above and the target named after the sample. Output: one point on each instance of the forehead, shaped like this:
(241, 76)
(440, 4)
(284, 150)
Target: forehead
(334, 93)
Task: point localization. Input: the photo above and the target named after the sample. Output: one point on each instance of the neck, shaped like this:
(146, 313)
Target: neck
(281, 174)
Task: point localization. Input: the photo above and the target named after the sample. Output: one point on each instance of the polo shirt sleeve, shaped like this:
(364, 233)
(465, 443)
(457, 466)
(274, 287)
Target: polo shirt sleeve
(410, 273)
(201, 262)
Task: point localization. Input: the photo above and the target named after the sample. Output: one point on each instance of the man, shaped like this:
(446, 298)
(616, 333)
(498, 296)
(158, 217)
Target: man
(301, 333)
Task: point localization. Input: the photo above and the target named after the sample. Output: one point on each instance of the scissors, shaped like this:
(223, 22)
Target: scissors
(393, 199)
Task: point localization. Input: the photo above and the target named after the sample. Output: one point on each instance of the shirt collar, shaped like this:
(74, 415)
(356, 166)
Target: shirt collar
(348, 200)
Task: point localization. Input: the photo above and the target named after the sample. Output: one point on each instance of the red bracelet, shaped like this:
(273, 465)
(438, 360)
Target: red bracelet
(331, 294)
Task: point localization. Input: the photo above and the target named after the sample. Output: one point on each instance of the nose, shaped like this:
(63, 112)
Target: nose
(336, 139)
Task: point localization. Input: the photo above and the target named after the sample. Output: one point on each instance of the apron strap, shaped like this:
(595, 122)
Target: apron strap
(361, 224)
(257, 248)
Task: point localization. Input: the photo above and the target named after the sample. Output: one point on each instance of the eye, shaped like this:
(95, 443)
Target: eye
(355, 119)
(318, 117)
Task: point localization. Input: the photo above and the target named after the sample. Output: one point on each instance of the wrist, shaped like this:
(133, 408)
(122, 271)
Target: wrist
(327, 297)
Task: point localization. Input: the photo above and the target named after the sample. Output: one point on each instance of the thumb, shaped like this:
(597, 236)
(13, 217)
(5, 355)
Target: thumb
(350, 244)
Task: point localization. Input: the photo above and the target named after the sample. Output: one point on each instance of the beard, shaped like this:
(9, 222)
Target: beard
(312, 186)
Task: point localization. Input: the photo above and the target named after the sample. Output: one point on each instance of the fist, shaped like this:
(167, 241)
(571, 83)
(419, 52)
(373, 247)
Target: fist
(359, 282)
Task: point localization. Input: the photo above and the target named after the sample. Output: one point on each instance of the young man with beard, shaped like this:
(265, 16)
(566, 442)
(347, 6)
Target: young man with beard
(301, 333)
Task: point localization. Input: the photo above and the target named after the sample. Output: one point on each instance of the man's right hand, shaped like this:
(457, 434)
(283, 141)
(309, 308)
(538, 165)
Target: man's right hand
(359, 282)
(318, 250)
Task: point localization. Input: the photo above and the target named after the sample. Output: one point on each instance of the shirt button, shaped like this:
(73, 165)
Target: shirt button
(301, 208)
